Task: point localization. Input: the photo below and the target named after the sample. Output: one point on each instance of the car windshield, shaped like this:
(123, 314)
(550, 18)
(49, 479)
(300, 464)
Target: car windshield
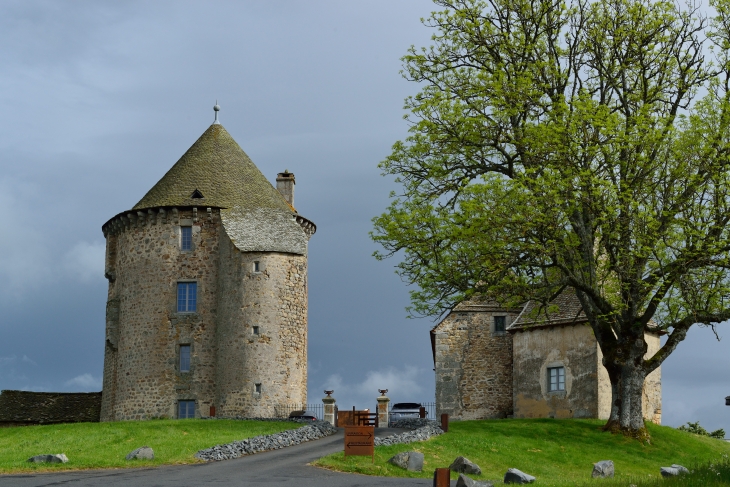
(406, 405)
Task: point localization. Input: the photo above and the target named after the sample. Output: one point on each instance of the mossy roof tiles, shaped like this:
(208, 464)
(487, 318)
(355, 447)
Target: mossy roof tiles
(220, 170)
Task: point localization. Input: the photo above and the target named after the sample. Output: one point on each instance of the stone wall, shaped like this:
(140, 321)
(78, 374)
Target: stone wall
(274, 300)
(473, 363)
(144, 330)
(587, 386)
(228, 357)
(20, 408)
(572, 347)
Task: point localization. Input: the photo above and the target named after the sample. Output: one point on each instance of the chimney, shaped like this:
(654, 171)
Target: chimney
(285, 184)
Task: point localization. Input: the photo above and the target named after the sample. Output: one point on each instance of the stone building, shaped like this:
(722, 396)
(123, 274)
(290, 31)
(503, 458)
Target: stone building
(531, 362)
(207, 304)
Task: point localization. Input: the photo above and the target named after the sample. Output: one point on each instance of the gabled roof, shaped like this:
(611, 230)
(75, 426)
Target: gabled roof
(216, 168)
(49, 407)
(563, 310)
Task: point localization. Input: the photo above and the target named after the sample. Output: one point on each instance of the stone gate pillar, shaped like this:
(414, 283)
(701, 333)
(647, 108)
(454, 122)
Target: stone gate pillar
(329, 407)
(383, 403)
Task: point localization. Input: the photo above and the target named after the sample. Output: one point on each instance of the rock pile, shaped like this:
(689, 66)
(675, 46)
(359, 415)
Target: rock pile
(423, 433)
(314, 430)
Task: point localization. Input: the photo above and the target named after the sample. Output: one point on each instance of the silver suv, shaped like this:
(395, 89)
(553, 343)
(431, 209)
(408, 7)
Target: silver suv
(403, 410)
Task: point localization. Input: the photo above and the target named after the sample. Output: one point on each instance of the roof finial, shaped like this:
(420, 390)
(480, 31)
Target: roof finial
(216, 109)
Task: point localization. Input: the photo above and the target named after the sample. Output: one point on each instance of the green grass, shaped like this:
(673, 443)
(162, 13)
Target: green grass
(104, 445)
(557, 452)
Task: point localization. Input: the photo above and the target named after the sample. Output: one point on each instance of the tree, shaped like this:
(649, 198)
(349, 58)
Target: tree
(581, 146)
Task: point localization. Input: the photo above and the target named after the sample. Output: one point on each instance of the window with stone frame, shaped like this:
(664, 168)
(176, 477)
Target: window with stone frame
(186, 238)
(500, 324)
(556, 379)
(184, 358)
(187, 297)
(185, 409)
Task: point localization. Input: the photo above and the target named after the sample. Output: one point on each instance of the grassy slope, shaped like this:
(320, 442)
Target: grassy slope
(557, 452)
(104, 445)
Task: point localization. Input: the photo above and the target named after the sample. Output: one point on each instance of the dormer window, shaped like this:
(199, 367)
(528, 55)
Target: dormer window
(197, 195)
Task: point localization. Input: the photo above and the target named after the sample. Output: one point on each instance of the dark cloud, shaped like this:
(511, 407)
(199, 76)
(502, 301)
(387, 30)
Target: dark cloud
(99, 99)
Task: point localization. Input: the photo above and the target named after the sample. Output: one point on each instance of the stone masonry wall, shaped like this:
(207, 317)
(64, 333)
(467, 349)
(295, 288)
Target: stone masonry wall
(144, 330)
(273, 299)
(473, 364)
(572, 347)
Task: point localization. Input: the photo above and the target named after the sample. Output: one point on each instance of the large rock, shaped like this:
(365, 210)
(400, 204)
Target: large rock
(673, 471)
(415, 461)
(514, 476)
(141, 453)
(603, 469)
(465, 481)
(57, 458)
(409, 460)
(463, 465)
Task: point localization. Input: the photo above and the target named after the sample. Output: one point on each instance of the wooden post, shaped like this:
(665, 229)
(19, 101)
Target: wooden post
(445, 422)
(422, 412)
(441, 477)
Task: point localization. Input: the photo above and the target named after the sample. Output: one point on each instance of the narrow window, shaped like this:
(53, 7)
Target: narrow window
(184, 358)
(187, 296)
(185, 409)
(556, 379)
(256, 330)
(186, 238)
(256, 267)
(500, 324)
(257, 388)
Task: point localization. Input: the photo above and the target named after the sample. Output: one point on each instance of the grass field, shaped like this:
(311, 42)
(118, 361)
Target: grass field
(104, 445)
(558, 452)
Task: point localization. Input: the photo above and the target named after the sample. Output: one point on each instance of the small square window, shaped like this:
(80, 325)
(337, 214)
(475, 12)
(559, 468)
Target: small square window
(185, 409)
(187, 297)
(256, 330)
(256, 266)
(184, 358)
(500, 324)
(186, 238)
(257, 388)
(556, 379)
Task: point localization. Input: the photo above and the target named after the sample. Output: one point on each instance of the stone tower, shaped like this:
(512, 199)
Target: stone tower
(207, 305)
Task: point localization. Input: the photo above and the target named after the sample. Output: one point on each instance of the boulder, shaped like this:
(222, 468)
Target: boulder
(514, 476)
(415, 461)
(141, 453)
(56, 458)
(408, 460)
(465, 481)
(603, 469)
(673, 471)
(463, 465)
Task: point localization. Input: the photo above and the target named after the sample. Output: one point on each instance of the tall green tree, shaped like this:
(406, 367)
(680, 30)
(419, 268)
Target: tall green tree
(578, 145)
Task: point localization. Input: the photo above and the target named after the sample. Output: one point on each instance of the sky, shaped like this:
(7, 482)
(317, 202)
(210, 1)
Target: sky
(99, 99)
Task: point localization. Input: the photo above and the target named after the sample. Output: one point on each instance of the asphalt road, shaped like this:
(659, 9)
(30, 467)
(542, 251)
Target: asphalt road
(287, 467)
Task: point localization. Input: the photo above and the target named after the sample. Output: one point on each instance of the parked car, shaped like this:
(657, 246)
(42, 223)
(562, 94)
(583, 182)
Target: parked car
(402, 410)
(303, 414)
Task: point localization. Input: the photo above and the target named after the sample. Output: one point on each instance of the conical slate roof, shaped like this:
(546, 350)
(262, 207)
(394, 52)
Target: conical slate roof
(216, 168)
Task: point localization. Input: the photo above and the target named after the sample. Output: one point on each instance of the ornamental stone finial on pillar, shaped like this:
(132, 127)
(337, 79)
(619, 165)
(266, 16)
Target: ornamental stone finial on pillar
(383, 404)
(329, 407)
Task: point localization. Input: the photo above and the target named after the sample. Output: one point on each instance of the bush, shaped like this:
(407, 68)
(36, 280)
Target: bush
(699, 430)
